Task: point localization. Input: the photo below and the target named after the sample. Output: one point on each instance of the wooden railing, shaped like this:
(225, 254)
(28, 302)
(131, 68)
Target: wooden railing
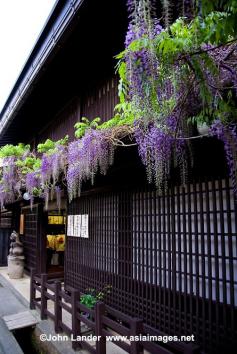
(102, 321)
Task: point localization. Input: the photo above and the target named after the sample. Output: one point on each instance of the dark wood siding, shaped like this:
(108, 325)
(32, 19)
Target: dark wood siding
(171, 259)
(5, 232)
(98, 101)
(34, 238)
(101, 100)
(63, 123)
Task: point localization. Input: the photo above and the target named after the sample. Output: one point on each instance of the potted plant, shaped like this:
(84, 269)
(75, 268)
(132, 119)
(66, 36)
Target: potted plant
(91, 296)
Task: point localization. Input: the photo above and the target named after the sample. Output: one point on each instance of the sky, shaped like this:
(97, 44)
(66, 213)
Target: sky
(21, 22)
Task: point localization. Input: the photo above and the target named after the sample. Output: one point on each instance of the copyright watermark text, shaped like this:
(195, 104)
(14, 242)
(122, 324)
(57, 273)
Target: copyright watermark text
(92, 338)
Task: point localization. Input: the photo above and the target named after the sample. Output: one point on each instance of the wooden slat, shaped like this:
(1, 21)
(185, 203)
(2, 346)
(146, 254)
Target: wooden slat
(20, 320)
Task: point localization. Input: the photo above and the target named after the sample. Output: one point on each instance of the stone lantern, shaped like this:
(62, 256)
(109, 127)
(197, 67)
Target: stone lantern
(15, 257)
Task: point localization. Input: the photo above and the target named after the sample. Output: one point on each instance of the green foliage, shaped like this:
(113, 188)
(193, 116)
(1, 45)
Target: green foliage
(227, 27)
(124, 116)
(29, 164)
(185, 45)
(14, 150)
(81, 127)
(49, 145)
(90, 298)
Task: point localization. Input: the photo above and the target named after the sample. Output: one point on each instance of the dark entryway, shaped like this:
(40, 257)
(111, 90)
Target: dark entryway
(5, 231)
(55, 241)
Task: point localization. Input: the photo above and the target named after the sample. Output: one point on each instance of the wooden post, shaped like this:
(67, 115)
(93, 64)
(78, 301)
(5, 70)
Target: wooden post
(44, 300)
(32, 288)
(57, 307)
(136, 330)
(191, 348)
(101, 342)
(76, 324)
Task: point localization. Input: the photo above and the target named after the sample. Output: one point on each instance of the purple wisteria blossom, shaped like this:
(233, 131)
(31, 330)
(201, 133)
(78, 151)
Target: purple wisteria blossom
(142, 64)
(32, 181)
(9, 184)
(228, 135)
(86, 156)
(53, 164)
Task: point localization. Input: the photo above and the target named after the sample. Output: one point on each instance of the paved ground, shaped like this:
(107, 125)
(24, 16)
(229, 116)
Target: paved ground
(8, 343)
(9, 304)
(14, 298)
(21, 285)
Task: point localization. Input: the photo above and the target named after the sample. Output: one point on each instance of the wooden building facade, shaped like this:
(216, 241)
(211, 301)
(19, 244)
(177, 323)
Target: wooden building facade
(171, 259)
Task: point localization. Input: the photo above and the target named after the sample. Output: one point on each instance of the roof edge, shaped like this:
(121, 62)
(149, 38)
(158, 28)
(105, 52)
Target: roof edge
(59, 19)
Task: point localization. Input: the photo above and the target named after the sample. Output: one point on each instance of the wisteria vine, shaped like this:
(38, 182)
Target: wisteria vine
(173, 77)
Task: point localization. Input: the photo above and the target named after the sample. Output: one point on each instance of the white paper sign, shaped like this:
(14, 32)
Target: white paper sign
(70, 227)
(84, 226)
(78, 225)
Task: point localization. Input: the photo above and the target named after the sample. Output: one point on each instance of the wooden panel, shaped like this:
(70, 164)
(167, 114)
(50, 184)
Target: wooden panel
(4, 245)
(20, 320)
(63, 123)
(101, 100)
(6, 220)
(98, 101)
(33, 238)
(5, 232)
(171, 259)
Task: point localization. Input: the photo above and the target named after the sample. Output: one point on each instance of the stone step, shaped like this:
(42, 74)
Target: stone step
(21, 320)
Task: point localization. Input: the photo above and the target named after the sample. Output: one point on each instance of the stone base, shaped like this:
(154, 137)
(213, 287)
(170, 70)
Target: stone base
(15, 267)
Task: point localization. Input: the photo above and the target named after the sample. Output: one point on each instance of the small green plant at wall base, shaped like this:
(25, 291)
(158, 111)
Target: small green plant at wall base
(91, 296)
(88, 300)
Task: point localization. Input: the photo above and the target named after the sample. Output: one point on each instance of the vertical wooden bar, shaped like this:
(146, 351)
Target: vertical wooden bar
(164, 268)
(173, 269)
(209, 254)
(150, 230)
(57, 307)
(147, 255)
(44, 300)
(231, 260)
(32, 288)
(216, 260)
(139, 279)
(101, 342)
(42, 221)
(223, 255)
(190, 251)
(155, 263)
(136, 330)
(203, 262)
(159, 233)
(76, 324)
(179, 256)
(185, 267)
(169, 253)
(197, 257)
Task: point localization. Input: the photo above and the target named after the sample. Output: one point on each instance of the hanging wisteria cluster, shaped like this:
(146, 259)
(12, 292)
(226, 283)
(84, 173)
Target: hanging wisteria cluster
(12, 178)
(228, 135)
(7, 186)
(155, 133)
(173, 77)
(93, 152)
(142, 64)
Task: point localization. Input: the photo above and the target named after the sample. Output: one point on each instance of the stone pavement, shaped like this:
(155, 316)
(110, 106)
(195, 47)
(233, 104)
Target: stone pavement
(9, 304)
(8, 343)
(14, 296)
